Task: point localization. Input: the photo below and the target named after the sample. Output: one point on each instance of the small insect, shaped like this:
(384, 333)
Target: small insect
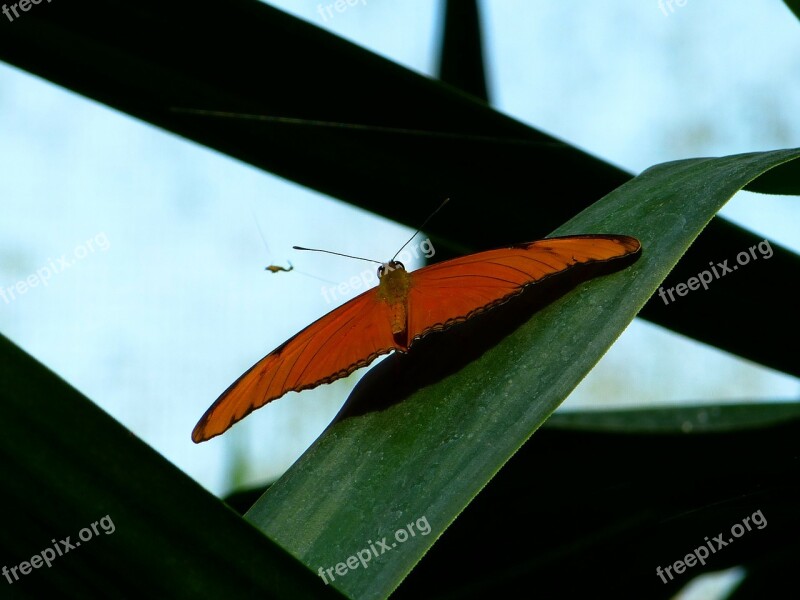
(402, 308)
(276, 269)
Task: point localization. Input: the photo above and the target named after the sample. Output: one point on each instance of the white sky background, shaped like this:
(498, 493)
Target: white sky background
(157, 325)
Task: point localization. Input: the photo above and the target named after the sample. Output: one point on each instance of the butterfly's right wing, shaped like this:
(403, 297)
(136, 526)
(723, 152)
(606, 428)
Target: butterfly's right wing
(347, 338)
(452, 291)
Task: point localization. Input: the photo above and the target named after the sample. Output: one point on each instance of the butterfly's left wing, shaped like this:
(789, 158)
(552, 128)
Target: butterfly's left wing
(452, 291)
(347, 338)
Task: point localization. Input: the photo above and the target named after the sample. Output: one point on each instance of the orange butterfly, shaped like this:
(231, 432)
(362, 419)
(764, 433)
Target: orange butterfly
(403, 307)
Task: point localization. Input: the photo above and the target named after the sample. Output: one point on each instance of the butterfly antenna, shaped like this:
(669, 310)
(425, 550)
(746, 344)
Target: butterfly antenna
(425, 222)
(337, 254)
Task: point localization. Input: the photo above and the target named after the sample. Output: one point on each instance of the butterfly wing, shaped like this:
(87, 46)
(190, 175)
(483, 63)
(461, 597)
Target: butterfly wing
(452, 291)
(332, 347)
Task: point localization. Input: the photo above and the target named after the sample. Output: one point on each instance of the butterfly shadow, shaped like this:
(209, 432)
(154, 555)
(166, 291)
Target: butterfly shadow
(440, 354)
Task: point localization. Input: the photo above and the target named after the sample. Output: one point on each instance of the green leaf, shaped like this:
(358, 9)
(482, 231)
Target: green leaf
(783, 179)
(712, 418)
(67, 465)
(423, 433)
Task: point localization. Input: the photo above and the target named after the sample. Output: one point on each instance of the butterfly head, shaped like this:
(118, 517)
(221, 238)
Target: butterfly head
(389, 267)
(394, 282)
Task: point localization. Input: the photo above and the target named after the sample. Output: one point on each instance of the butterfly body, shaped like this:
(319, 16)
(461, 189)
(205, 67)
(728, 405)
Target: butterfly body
(404, 306)
(393, 284)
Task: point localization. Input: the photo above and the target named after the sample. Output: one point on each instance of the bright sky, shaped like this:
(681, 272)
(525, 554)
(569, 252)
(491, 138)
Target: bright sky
(167, 301)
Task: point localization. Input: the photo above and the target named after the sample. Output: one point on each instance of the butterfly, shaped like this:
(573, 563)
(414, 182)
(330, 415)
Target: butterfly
(402, 308)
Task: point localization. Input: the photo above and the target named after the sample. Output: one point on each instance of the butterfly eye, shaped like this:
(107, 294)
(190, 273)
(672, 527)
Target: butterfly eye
(398, 265)
(380, 271)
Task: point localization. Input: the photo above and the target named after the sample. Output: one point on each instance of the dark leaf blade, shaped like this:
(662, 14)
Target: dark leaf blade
(69, 464)
(782, 180)
(794, 6)
(686, 419)
(461, 61)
